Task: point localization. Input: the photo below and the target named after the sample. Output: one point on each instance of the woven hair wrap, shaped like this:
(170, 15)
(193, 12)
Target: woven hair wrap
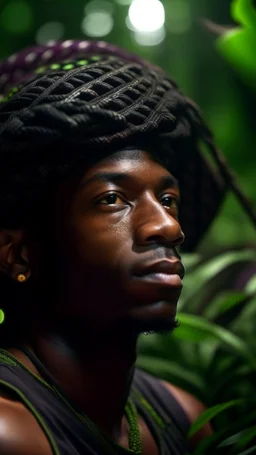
(84, 100)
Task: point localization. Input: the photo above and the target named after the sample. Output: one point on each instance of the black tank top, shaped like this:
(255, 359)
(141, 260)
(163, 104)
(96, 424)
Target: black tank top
(70, 433)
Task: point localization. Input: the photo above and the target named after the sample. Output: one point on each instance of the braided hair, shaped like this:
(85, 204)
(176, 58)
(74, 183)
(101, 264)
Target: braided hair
(80, 106)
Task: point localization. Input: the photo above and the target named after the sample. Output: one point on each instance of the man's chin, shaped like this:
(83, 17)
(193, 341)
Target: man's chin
(148, 327)
(159, 317)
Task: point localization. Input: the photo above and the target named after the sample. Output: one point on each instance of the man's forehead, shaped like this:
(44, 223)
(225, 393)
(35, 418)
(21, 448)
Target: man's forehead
(126, 162)
(131, 153)
(167, 159)
(134, 154)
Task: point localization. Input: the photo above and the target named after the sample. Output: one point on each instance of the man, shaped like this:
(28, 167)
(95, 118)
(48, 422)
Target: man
(97, 154)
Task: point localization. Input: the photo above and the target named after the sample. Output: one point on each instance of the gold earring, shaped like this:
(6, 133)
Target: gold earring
(20, 277)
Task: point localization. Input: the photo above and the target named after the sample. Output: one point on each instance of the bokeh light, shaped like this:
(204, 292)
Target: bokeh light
(50, 31)
(16, 17)
(147, 15)
(150, 39)
(98, 20)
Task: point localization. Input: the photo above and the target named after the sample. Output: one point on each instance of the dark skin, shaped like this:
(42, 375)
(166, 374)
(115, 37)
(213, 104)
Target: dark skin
(109, 255)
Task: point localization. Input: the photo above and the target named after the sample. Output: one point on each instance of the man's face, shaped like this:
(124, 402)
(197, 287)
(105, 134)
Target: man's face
(115, 237)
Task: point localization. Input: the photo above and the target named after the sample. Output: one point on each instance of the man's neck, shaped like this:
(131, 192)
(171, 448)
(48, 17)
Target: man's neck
(96, 374)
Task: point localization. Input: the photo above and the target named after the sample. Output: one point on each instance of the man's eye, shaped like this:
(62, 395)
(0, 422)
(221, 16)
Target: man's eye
(170, 202)
(111, 199)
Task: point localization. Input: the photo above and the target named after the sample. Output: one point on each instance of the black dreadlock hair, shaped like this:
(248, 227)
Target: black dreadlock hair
(105, 97)
(73, 111)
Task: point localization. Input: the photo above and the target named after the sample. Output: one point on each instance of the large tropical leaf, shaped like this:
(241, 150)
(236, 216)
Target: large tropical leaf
(210, 413)
(196, 328)
(199, 281)
(238, 45)
(225, 301)
(172, 372)
(241, 439)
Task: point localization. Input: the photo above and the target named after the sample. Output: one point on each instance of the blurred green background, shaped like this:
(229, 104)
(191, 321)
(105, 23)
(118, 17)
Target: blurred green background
(170, 33)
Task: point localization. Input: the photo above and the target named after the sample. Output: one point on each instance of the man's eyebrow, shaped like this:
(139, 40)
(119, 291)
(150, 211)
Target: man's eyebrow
(111, 177)
(167, 181)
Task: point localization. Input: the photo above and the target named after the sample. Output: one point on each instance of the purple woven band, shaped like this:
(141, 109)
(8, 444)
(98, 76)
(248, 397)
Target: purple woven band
(18, 67)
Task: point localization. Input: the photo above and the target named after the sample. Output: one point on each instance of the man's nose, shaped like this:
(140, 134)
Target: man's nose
(156, 225)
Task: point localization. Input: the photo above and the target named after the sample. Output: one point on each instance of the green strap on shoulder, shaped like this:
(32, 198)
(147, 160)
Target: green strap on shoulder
(156, 417)
(5, 385)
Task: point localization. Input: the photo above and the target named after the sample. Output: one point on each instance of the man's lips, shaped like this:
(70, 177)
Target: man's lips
(166, 274)
(163, 267)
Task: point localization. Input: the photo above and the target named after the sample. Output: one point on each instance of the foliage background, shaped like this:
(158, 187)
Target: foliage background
(212, 354)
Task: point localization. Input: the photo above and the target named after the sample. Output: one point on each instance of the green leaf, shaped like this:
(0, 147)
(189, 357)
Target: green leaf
(196, 281)
(196, 328)
(245, 324)
(251, 285)
(190, 260)
(238, 48)
(241, 439)
(248, 451)
(207, 352)
(2, 316)
(172, 372)
(208, 445)
(243, 12)
(217, 264)
(223, 302)
(210, 413)
(165, 346)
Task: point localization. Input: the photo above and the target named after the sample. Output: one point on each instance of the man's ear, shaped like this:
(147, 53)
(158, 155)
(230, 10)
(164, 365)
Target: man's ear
(13, 254)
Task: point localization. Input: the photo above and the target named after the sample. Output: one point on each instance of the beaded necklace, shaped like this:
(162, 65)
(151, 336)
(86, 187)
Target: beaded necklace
(135, 443)
(131, 412)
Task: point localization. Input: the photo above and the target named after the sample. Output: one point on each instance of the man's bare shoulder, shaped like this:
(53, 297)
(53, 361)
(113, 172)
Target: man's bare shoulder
(193, 408)
(20, 433)
(191, 405)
